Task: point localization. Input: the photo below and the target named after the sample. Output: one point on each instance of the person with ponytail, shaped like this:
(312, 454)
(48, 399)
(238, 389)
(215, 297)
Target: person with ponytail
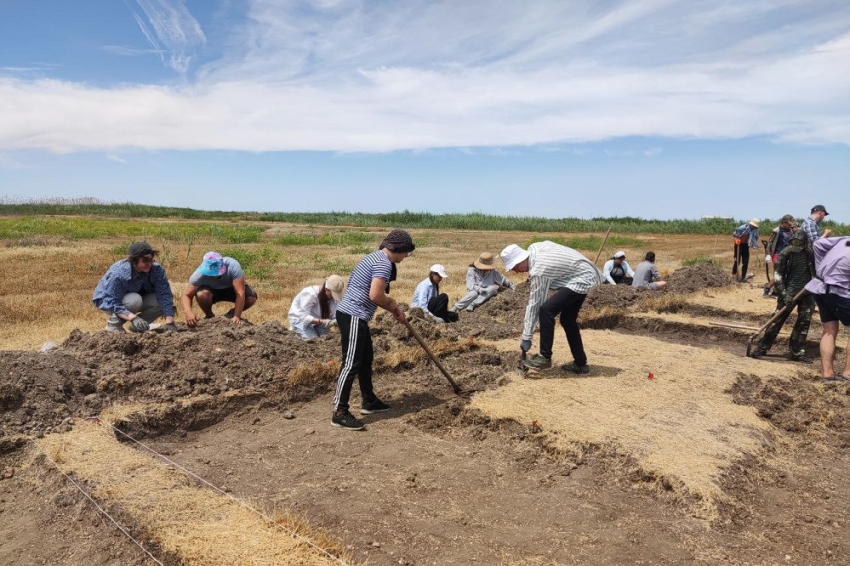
(313, 310)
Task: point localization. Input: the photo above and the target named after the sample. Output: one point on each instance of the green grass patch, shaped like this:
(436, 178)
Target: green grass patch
(256, 263)
(74, 228)
(592, 243)
(360, 239)
(700, 259)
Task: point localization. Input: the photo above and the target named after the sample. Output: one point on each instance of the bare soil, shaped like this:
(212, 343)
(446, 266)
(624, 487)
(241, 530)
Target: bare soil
(429, 482)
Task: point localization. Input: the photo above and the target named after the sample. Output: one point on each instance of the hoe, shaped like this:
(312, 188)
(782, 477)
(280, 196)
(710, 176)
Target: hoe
(775, 316)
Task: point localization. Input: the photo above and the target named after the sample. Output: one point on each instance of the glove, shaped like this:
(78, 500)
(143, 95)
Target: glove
(139, 324)
(171, 326)
(767, 259)
(439, 320)
(525, 345)
(328, 323)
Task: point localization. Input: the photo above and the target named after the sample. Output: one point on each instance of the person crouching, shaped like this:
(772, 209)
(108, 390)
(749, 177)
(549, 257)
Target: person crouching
(313, 310)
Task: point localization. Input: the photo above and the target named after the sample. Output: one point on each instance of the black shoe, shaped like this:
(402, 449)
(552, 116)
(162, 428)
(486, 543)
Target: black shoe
(757, 353)
(346, 420)
(572, 367)
(376, 406)
(537, 361)
(229, 314)
(802, 358)
(766, 293)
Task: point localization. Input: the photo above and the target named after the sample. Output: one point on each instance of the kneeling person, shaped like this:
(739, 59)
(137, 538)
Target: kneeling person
(218, 279)
(135, 289)
(313, 310)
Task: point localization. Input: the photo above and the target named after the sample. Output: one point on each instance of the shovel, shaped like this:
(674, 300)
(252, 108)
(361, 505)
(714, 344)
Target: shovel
(765, 243)
(435, 359)
(775, 316)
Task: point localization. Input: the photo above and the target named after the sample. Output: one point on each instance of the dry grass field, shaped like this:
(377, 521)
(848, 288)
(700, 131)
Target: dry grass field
(717, 458)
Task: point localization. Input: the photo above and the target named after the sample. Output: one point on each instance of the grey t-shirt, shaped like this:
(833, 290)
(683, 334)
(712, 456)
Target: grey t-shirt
(224, 281)
(645, 273)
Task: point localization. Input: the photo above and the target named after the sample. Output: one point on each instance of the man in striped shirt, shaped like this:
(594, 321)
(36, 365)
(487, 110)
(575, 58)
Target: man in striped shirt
(570, 274)
(367, 290)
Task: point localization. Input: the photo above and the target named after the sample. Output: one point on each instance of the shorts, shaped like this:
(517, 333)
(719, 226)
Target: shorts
(833, 307)
(227, 295)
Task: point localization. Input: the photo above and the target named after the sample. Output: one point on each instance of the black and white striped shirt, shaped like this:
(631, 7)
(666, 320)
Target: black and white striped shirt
(356, 301)
(553, 266)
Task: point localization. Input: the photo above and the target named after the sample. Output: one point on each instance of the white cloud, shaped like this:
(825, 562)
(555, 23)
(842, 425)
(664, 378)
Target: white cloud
(352, 76)
(116, 158)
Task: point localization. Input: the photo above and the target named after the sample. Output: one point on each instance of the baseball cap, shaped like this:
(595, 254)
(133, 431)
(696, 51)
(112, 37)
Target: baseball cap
(335, 284)
(820, 208)
(213, 265)
(439, 270)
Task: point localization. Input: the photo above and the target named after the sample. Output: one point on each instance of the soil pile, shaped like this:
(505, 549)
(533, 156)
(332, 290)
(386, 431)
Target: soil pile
(620, 297)
(697, 277)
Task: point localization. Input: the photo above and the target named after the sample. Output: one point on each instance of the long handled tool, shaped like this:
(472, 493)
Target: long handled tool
(765, 243)
(602, 247)
(775, 316)
(435, 359)
(735, 256)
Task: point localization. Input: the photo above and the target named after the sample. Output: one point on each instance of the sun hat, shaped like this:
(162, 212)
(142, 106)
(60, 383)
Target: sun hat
(140, 249)
(513, 255)
(484, 261)
(755, 222)
(820, 208)
(335, 284)
(439, 270)
(619, 254)
(213, 265)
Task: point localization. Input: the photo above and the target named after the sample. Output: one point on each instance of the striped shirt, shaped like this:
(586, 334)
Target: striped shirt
(356, 301)
(812, 229)
(121, 279)
(553, 266)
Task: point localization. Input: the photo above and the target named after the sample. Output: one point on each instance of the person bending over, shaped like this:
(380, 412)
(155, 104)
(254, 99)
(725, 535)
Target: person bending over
(218, 279)
(313, 310)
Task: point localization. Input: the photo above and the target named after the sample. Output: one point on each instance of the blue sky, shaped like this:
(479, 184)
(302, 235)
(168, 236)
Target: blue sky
(654, 108)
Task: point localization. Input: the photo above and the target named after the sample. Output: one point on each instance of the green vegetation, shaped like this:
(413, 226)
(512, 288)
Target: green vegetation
(257, 263)
(76, 228)
(406, 219)
(700, 259)
(592, 243)
(333, 239)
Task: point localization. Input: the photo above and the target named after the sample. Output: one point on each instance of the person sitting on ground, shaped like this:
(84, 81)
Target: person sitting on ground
(793, 271)
(616, 270)
(313, 310)
(780, 237)
(427, 296)
(368, 288)
(831, 288)
(647, 276)
(811, 225)
(483, 282)
(135, 289)
(571, 275)
(746, 237)
(218, 279)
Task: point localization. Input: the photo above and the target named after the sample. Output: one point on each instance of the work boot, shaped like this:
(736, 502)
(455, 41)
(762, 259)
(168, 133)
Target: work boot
(802, 358)
(115, 323)
(757, 352)
(572, 367)
(766, 293)
(376, 406)
(344, 419)
(229, 314)
(537, 361)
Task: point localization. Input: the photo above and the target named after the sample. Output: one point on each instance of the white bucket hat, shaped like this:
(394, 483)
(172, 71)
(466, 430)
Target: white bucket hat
(619, 254)
(439, 270)
(513, 255)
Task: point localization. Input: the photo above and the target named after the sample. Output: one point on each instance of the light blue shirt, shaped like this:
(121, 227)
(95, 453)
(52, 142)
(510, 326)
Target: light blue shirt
(747, 230)
(424, 292)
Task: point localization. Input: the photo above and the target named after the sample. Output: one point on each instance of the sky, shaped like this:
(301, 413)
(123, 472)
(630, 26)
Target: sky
(555, 108)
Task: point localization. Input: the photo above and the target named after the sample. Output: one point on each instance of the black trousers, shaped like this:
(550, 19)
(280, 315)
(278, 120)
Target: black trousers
(565, 303)
(744, 255)
(357, 356)
(439, 307)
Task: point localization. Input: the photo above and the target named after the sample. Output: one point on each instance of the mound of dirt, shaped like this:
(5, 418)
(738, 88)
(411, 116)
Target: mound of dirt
(697, 277)
(620, 297)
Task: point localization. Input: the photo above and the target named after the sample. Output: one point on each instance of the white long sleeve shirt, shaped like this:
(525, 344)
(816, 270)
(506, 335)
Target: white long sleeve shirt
(609, 265)
(305, 306)
(480, 279)
(553, 266)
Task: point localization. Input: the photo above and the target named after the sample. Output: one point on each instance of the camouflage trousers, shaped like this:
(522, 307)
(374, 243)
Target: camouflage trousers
(797, 342)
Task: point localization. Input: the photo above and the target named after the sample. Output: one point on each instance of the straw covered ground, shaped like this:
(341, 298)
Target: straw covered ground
(676, 449)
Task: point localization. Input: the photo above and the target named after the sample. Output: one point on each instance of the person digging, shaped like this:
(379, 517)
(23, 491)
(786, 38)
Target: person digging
(551, 266)
(368, 288)
(746, 237)
(831, 288)
(793, 271)
(135, 289)
(218, 279)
